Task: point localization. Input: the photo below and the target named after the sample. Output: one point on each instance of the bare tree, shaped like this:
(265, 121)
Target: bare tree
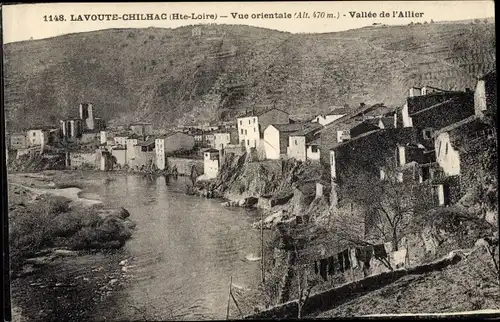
(379, 209)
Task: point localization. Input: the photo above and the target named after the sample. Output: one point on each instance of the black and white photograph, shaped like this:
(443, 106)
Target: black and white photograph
(249, 160)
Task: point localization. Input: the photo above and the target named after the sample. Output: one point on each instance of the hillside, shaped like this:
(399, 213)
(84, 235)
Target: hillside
(168, 75)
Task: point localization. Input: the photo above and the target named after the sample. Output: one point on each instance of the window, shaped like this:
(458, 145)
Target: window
(246, 132)
(248, 142)
(295, 142)
(254, 130)
(248, 121)
(382, 174)
(241, 131)
(34, 134)
(254, 119)
(427, 133)
(446, 151)
(439, 147)
(241, 122)
(314, 149)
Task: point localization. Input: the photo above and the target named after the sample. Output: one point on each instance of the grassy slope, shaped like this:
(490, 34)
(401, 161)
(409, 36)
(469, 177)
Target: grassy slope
(165, 75)
(469, 285)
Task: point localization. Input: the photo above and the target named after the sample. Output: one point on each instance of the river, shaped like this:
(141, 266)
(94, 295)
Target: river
(183, 252)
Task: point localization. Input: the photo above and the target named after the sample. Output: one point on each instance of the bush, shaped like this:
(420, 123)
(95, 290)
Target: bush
(31, 228)
(49, 221)
(108, 233)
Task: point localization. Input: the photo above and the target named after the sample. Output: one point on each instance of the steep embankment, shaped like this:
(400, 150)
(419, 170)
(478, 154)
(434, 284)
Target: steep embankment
(169, 75)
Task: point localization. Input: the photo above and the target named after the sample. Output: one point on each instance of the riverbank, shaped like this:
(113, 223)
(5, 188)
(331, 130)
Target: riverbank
(65, 251)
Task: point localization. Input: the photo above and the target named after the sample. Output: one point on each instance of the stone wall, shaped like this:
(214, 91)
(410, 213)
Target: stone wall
(184, 165)
(323, 301)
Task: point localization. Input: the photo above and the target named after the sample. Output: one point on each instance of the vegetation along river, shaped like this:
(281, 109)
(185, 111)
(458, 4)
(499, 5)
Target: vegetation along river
(183, 252)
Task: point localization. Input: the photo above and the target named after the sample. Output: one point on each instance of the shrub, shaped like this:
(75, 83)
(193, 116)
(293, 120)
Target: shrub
(108, 233)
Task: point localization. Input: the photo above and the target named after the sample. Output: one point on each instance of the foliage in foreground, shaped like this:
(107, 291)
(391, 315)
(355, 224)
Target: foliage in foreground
(51, 222)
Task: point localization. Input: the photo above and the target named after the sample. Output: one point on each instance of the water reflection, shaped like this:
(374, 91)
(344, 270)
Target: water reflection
(185, 249)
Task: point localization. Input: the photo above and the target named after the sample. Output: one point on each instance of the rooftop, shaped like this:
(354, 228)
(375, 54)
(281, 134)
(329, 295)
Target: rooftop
(290, 127)
(262, 112)
(456, 125)
(354, 139)
(375, 109)
(146, 143)
(42, 127)
(310, 127)
(140, 123)
(490, 74)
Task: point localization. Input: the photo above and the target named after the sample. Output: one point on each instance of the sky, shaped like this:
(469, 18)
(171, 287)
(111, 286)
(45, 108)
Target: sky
(32, 21)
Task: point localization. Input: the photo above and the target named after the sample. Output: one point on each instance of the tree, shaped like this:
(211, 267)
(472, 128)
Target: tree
(379, 210)
(66, 145)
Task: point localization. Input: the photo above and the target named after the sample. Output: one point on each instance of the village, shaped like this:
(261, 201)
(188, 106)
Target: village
(427, 120)
(424, 145)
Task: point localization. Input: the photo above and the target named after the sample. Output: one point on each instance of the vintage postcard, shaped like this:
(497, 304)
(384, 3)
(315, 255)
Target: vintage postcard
(250, 160)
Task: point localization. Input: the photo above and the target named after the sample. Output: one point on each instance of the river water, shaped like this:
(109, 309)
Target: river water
(182, 253)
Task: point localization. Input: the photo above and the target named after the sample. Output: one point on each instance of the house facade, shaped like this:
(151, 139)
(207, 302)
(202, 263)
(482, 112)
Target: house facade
(428, 109)
(121, 139)
(485, 95)
(277, 142)
(17, 141)
(38, 136)
(130, 144)
(447, 156)
(221, 140)
(71, 128)
(143, 155)
(312, 151)
(248, 131)
(299, 140)
(211, 163)
(251, 127)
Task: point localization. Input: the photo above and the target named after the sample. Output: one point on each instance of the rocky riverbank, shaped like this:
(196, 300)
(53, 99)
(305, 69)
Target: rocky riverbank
(65, 251)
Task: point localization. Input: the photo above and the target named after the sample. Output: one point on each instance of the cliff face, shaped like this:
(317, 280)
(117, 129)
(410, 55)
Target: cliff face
(281, 181)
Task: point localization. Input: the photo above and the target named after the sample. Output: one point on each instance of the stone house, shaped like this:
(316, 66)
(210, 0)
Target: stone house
(221, 140)
(313, 152)
(171, 142)
(17, 141)
(71, 128)
(485, 95)
(39, 136)
(120, 155)
(120, 139)
(276, 139)
(426, 111)
(251, 127)
(144, 155)
(338, 131)
(298, 141)
(211, 164)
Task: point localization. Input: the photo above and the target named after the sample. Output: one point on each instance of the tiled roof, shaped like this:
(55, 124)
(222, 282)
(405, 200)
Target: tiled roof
(354, 139)
(314, 142)
(290, 127)
(458, 124)
(309, 127)
(146, 143)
